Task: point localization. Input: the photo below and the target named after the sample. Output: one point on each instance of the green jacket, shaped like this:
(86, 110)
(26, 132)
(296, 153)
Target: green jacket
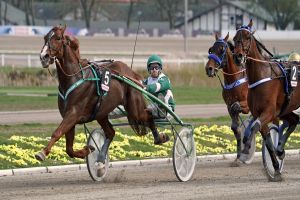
(161, 85)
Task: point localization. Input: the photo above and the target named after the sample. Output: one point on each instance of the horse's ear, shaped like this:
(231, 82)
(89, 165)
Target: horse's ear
(250, 23)
(227, 36)
(64, 28)
(217, 35)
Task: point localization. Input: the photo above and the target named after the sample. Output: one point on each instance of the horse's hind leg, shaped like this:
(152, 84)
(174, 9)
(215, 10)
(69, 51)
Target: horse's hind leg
(69, 146)
(292, 120)
(159, 138)
(137, 112)
(109, 133)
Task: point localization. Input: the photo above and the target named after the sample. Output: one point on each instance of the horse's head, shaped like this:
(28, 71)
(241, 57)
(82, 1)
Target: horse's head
(242, 41)
(54, 42)
(216, 55)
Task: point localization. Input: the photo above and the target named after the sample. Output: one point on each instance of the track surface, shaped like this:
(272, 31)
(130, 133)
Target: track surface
(53, 116)
(211, 180)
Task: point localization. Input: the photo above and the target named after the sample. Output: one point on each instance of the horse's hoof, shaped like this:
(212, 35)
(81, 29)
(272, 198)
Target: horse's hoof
(162, 138)
(277, 177)
(90, 148)
(280, 154)
(40, 156)
(243, 157)
(100, 169)
(236, 163)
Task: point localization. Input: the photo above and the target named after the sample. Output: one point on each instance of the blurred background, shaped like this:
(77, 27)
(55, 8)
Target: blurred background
(180, 31)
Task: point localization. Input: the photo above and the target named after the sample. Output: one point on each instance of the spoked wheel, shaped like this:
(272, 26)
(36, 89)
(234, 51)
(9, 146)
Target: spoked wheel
(268, 166)
(249, 158)
(96, 139)
(184, 154)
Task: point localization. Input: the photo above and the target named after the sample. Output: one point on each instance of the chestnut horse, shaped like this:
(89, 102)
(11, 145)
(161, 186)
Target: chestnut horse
(235, 87)
(269, 96)
(79, 101)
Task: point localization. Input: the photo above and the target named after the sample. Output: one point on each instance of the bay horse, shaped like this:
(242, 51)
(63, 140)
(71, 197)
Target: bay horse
(270, 97)
(79, 100)
(235, 87)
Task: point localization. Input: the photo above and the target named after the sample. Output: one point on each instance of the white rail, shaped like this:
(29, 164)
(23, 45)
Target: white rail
(33, 60)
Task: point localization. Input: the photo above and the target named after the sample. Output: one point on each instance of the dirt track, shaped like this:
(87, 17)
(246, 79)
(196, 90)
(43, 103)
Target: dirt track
(211, 180)
(53, 116)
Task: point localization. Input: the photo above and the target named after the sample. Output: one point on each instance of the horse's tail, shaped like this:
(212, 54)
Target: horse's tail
(136, 108)
(140, 128)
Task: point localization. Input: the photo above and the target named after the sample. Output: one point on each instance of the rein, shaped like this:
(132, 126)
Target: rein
(264, 61)
(232, 74)
(70, 75)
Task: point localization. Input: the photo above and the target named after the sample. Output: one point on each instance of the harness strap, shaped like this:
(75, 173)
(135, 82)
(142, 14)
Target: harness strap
(253, 85)
(73, 87)
(235, 84)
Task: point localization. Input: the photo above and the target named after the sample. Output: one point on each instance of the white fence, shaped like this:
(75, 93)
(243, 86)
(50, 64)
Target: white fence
(33, 60)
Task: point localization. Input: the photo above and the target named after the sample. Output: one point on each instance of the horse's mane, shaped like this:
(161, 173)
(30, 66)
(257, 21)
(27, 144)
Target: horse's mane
(73, 44)
(230, 45)
(258, 44)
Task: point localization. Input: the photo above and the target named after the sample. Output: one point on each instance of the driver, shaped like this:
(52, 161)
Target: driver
(294, 57)
(159, 85)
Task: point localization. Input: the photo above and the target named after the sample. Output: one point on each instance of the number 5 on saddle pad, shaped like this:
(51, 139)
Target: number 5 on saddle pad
(294, 76)
(105, 80)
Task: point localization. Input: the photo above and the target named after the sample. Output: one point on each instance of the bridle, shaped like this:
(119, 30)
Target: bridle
(215, 57)
(239, 33)
(220, 59)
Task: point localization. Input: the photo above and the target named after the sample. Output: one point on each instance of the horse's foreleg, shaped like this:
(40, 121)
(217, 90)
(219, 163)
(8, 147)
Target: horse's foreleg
(69, 146)
(270, 147)
(237, 133)
(244, 107)
(64, 127)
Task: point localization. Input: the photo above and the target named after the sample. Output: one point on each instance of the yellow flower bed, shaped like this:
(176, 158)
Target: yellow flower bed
(209, 140)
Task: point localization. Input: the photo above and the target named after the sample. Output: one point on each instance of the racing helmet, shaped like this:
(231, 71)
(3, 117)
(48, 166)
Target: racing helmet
(154, 59)
(294, 57)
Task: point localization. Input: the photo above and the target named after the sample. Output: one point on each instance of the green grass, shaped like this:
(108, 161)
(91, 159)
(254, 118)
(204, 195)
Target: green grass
(197, 95)
(182, 94)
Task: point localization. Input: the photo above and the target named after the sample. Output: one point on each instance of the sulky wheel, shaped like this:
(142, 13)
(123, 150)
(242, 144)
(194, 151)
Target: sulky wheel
(184, 154)
(96, 139)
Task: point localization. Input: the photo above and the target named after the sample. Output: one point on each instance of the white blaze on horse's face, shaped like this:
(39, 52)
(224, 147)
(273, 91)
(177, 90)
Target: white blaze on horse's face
(44, 57)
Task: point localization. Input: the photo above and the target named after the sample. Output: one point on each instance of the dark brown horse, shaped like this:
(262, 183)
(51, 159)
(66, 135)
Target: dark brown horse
(235, 87)
(80, 102)
(269, 95)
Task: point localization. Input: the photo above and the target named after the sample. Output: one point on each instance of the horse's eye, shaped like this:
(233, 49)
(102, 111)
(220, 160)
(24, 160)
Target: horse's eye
(221, 48)
(209, 51)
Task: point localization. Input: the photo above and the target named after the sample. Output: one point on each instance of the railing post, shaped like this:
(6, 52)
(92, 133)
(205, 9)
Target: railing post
(2, 60)
(29, 60)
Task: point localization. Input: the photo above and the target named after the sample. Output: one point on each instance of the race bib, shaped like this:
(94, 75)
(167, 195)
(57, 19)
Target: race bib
(294, 76)
(105, 80)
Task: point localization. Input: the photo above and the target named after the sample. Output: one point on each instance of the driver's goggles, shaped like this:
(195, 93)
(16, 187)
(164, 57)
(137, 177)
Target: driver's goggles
(157, 67)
